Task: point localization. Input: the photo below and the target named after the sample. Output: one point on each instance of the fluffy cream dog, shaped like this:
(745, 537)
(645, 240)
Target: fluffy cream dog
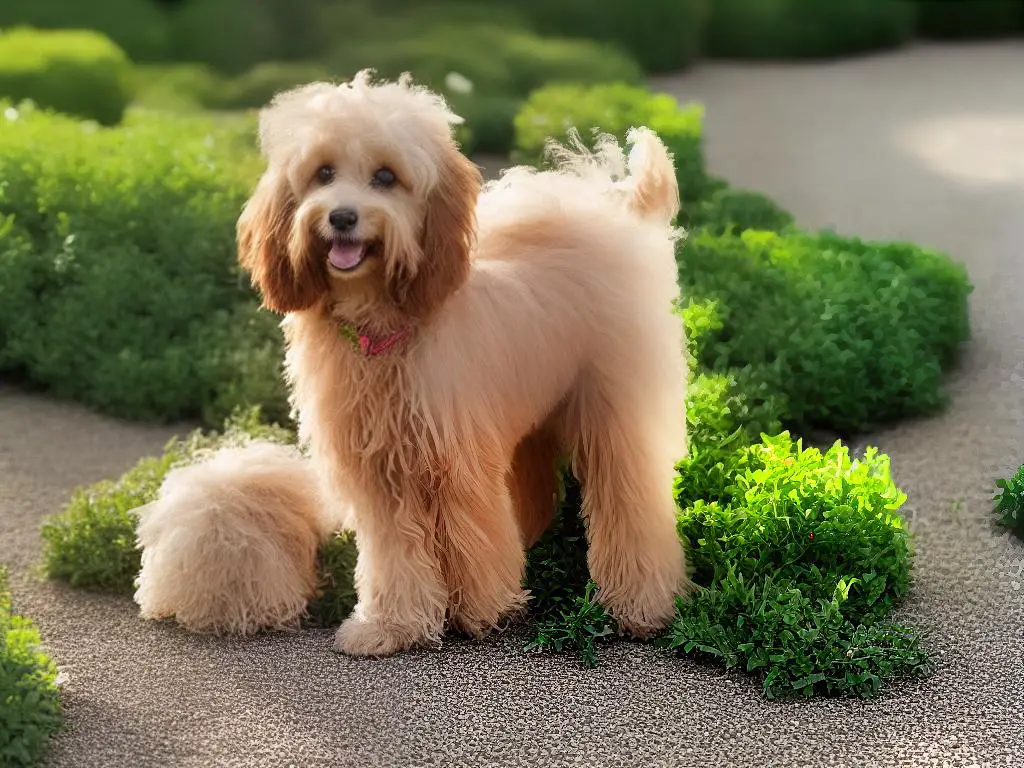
(446, 344)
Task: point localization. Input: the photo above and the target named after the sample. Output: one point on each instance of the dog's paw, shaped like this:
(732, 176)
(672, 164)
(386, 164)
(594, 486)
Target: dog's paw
(359, 637)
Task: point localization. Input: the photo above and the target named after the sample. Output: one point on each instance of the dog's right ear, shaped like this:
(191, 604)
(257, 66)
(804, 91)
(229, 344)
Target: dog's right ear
(288, 282)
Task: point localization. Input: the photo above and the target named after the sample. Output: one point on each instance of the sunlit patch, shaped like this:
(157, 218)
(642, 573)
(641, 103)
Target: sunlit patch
(976, 148)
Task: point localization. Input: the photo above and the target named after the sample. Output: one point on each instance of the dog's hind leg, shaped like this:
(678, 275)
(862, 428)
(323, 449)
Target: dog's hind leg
(624, 457)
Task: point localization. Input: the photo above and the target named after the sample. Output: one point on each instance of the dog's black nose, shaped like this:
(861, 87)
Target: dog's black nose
(343, 219)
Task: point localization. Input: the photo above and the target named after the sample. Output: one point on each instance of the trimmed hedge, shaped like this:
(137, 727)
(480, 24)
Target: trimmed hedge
(854, 333)
(116, 254)
(76, 72)
(139, 27)
(30, 709)
(662, 35)
(784, 29)
(967, 19)
(614, 108)
(484, 70)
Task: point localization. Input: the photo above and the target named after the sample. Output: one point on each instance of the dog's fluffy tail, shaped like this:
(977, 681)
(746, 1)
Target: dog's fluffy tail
(654, 192)
(646, 177)
(230, 544)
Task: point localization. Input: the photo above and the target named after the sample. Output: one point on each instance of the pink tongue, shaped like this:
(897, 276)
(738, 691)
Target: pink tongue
(346, 255)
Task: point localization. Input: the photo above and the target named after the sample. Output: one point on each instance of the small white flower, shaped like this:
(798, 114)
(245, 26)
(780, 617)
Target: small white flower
(11, 114)
(458, 83)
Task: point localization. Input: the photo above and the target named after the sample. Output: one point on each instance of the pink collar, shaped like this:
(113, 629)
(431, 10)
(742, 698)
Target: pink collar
(370, 346)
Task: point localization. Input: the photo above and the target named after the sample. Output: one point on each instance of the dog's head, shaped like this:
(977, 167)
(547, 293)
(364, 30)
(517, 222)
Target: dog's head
(365, 193)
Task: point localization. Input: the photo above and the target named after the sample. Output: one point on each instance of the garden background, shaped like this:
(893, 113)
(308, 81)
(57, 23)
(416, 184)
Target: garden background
(126, 152)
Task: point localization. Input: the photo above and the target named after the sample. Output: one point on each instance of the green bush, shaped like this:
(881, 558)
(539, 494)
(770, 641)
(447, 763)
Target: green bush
(729, 209)
(233, 35)
(614, 108)
(30, 707)
(962, 19)
(117, 249)
(782, 29)
(255, 88)
(805, 557)
(174, 87)
(137, 26)
(77, 72)
(1010, 502)
(483, 69)
(853, 333)
(662, 35)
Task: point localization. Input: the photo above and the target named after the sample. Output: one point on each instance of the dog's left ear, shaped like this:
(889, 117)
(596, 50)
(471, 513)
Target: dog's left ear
(447, 237)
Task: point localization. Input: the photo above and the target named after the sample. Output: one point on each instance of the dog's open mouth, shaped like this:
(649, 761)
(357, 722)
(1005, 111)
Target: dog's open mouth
(347, 255)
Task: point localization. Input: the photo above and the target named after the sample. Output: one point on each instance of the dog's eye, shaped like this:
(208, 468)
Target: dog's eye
(384, 178)
(325, 174)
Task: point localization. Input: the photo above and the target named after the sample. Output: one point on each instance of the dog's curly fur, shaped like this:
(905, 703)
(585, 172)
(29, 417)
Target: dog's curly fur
(230, 543)
(532, 319)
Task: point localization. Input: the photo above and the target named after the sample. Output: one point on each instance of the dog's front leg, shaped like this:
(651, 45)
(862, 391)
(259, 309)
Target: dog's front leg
(402, 596)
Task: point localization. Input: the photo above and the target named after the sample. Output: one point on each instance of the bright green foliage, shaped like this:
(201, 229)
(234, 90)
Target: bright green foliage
(855, 333)
(798, 645)
(613, 109)
(759, 29)
(1010, 502)
(577, 628)
(117, 249)
(80, 73)
(29, 695)
(804, 556)
(962, 19)
(91, 543)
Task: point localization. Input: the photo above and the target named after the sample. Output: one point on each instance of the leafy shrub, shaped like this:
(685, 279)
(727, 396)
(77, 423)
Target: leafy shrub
(614, 108)
(174, 87)
(731, 209)
(255, 88)
(663, 35)
(29, 695)
(137, 26)
(1010, 502)
(233, 35)
(959, 19)
(80, 73)
(854, 333)
(483, 69)
(805, 556)
(118, 248)
(805, 28)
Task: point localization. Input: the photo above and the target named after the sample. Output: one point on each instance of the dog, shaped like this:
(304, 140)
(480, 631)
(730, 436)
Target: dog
(449, 342)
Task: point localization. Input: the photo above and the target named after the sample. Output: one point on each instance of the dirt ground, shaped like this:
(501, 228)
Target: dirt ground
(925, 144)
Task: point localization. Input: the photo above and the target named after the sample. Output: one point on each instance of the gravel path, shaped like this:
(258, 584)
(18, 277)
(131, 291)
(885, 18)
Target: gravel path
(927, 145)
